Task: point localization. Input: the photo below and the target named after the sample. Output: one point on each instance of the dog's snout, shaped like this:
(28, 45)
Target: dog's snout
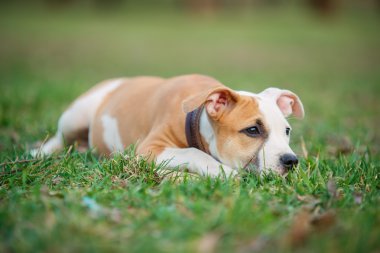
(289, 161)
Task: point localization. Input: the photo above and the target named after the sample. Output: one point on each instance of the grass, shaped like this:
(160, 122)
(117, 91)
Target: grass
(79, 202)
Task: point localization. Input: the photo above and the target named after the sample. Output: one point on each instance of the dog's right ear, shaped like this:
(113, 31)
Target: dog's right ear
(288, 102)
(215, 101)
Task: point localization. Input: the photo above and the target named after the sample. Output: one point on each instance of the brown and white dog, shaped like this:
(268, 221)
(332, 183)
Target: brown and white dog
(192, 122)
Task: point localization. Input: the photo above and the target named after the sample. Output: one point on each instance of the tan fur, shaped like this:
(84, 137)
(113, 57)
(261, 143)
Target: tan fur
(231, 145)
(149, 111)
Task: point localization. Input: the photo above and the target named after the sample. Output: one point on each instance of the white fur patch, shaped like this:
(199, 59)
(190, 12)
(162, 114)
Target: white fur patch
(87, 105)
(277, 143)
(207, 133)
(80, 114)
(54, 144)
(195, 161)
(111, 134)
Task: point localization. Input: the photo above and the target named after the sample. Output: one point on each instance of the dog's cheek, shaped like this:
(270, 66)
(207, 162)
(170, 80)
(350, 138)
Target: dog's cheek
(260, 160)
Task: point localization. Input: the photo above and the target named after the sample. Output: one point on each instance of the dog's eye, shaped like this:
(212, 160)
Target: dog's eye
(287, 131)
(253, 131)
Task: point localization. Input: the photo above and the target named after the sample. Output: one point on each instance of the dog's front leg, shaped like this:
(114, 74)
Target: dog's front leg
(195, 161)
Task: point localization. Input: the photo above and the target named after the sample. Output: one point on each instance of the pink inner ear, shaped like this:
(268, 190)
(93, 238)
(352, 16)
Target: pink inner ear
(285, 104)
(216, 102)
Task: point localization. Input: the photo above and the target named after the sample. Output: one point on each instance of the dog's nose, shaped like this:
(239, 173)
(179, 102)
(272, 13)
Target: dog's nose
(289, 161)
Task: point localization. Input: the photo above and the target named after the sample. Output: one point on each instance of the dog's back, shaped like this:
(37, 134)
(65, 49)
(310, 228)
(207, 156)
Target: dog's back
(147, 110)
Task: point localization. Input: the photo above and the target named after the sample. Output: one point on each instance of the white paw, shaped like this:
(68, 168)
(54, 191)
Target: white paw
(35, 152)
(221, 171)
(38, 153)
(229, 171)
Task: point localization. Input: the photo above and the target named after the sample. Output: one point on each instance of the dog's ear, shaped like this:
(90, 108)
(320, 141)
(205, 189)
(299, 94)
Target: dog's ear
(288, 102)
(215, 101)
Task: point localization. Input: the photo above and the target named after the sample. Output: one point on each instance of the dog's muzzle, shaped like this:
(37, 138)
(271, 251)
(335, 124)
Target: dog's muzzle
(288, 161)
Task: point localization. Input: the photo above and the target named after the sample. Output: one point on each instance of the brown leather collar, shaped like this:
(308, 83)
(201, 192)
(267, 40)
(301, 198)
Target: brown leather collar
(193, 136)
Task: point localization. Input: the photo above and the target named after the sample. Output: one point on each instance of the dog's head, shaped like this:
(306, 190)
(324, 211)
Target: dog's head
(243, 128)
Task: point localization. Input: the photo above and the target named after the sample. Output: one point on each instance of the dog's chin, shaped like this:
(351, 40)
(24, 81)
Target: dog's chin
(280, 171)
(252, 167)
(283, 172)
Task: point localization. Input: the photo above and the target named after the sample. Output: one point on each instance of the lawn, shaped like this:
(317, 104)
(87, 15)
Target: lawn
(77, 202)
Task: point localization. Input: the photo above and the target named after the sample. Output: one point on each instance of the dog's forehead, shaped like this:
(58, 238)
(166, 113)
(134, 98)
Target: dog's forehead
(269, 110)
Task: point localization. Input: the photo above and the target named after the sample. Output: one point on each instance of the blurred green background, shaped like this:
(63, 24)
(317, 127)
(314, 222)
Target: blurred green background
(326, 51)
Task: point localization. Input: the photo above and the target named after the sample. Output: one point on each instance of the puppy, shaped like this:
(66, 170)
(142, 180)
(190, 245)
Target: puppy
(191, 122)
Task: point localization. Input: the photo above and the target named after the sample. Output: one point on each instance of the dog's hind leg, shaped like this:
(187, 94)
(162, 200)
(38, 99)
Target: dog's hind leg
(52, 145)
(73, 125)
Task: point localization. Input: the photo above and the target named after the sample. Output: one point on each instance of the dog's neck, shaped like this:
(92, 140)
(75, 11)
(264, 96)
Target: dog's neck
(200, 133)
(192, 129)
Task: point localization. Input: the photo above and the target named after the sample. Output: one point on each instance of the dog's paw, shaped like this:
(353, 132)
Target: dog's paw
(222, 171)
(35, 153)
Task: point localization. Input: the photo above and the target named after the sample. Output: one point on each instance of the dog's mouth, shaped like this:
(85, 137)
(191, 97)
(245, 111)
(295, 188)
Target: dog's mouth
(280, 170)
(283, 172)
(253, 166)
